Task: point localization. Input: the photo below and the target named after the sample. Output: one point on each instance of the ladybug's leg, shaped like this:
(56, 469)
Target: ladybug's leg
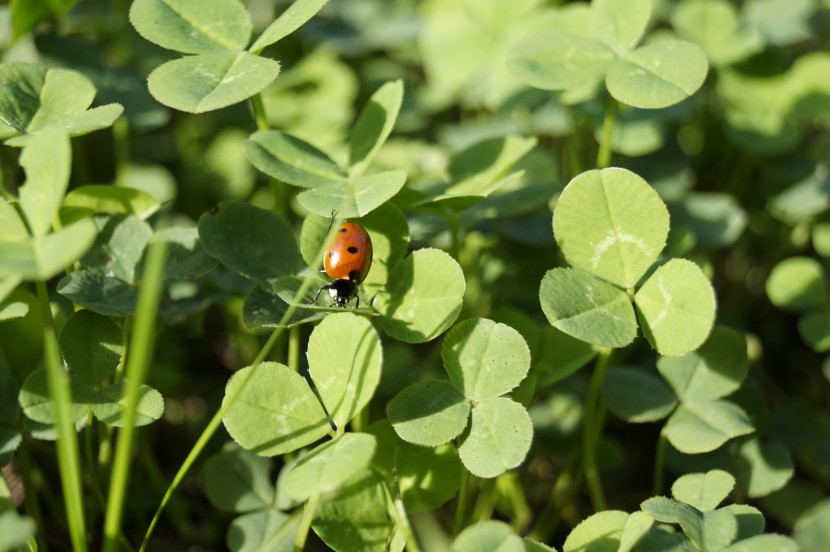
(356, 302)
(319, 291)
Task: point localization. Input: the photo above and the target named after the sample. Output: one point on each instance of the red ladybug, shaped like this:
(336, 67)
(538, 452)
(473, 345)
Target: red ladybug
(347, 261)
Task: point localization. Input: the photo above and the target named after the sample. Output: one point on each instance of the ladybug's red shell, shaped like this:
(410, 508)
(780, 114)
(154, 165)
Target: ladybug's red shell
(350, 254)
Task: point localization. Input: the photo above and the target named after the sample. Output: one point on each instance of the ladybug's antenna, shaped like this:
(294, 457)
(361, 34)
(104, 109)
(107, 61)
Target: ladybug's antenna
(331, 221)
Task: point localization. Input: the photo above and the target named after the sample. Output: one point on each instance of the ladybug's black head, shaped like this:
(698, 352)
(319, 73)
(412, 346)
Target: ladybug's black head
(342, 291)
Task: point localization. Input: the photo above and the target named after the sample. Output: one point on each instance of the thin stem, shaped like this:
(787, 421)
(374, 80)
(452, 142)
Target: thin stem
(282, 534)
(455, 236)
(508, 485)
(659, 461)
(69, 459)
(121, 138)
(105, 437)
(294, 349)
(400, 510)
(91, 463)
(305, 522)
(591, 431)
(461, 506)
(32, 506)
(260, 117)
(486, 497)
(138, 365)
(604, 154)
(562, 493)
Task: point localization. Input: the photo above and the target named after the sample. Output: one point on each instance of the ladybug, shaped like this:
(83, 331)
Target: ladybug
(347, 261)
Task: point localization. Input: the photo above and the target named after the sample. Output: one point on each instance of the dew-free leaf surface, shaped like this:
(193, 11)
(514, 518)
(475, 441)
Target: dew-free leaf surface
(498, 438)
(327, 466)
(704, 491)
(237, 480)
(612, 224)
(257, 243)
(210, 81)
(586, 308)
(429, 413)
(422, 298)
(344, 360)
(276, 412)
(485, 359)
(676, 305)
(703, 426)
(636, 395)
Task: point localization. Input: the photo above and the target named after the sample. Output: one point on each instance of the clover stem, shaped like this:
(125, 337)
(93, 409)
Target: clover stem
(463, 498)
(293, 360)
(562, 494)
(121, 139)
(455, 238)
(604, 154)
(305, 522)
(259, 112)
(659, 461)
(261, 119)
(400, 509)
(91, 462)
(137, 368)
(510, 487)
(29, 473)
(592, 430)
(69, 460)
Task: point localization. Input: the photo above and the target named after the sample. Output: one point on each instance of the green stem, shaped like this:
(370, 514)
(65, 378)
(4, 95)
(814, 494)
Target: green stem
(259, 112)
(604, 154)
(486, 497)
(27, 469)
(305, 522)
(508, 485)
(69, 459)
(591, 431)
(277, 187)
(455, 236)
(282, 534)
(659, 461)
(105, 437)
(92, 465)
(400, 510)
(121, 138)
(294, 349)
(138, 364)
(126, 331)
(561, 494)
(463, 498)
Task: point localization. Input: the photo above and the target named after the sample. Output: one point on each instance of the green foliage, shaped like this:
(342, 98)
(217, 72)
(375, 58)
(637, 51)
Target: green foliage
(221, 72)
(92, 349)
(656, 74)
(274, 392)
(484, 360)
(179, 248)
(611, 225)
(330, 187)
(34, 99)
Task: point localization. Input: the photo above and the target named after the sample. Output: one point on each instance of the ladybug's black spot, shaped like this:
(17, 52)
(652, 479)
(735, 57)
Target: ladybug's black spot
(354, 275)
(342, 230)
(352, 249)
